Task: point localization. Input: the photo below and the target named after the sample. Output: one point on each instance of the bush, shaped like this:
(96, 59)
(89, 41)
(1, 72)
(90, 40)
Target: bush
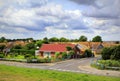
(69, 48)
(57, 54)
(28, 56)
(88, 53)
(64, 55)
(111, 63)
(32, 60)
(111, 53)
(116, 53)
(1, 55)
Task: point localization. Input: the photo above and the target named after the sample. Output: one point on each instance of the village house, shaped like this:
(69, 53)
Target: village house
(49, 50)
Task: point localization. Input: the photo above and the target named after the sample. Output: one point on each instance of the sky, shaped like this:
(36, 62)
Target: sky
(60, 18)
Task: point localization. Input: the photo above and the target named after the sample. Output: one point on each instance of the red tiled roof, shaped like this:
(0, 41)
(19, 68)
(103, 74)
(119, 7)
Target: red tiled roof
(55, 47)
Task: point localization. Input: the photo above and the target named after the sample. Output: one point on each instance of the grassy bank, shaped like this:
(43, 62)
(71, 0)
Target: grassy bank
(12, 73)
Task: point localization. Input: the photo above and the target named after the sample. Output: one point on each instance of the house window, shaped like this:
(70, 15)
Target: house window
(47, 54)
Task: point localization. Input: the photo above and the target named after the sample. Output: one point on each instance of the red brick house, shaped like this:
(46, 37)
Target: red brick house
(49, 50)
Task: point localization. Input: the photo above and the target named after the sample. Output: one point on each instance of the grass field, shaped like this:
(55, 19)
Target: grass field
(12, 73)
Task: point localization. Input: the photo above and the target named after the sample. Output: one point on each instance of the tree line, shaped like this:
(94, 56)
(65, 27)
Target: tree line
(82, 38)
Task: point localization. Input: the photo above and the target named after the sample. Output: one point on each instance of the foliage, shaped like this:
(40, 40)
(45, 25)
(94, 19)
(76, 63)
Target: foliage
(69, 48)
(2, 39)
(88, 53)
(12, 73)
(1, 55)
(71, 52)
(45, 40)
(106, 64)
(23, 51)
(30, 46)
(36, 60)
(106, 53)
(39, 43)
(64, 55)
(111, 53)
(54, 39)
(17, 47)
(83, 38)
(116, 53)
(62, 39)
(26, 56)
(97, 39)
(2, 47)
(57, 54)
(112, 63)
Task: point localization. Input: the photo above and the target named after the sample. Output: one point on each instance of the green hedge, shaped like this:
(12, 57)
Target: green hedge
(23, 51)
(106, 64)
(112, 53)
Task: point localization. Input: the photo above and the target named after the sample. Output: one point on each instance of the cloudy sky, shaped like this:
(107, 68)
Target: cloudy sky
(60, 18)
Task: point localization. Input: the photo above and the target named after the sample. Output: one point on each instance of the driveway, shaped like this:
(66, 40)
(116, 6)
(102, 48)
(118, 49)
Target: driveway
(73, 65)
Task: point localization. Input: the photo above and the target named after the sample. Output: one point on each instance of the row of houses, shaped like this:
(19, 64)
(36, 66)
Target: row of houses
(49, 50)
(78, 47)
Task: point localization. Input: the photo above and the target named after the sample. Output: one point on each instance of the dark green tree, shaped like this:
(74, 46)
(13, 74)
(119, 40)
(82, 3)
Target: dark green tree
(88, 53)
(2, 39)
(39, 43)
(30, 46)
(107, 52)
(97, 39)
(69, 48)
(2, 47)
(62, 39)
(116, 53)
(17, 47)
(54, 39)
(45, 40)
(83, 38)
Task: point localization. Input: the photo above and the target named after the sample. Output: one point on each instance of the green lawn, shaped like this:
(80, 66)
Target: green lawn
(12, 73)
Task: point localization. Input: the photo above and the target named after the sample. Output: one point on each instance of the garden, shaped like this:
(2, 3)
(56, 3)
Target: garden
(110, 59)
(26, 53)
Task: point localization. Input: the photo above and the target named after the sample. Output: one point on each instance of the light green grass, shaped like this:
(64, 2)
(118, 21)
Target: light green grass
(12, 73)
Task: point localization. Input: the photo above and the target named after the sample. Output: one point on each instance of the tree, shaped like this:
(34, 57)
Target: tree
(83, 38)
(30, 46)
(116, 53)
(97, 39)
(2, 39)
(45, 40)
(69, 48)
(17, 47)
(54, 39)
(39, 43)
(62, 39)
(107, 52)
(2, 47)
(88, 53)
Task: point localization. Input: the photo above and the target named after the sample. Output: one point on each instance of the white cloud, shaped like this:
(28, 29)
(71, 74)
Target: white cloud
(28, 18)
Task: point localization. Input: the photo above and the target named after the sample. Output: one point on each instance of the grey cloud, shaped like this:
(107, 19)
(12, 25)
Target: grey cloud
(84, 2)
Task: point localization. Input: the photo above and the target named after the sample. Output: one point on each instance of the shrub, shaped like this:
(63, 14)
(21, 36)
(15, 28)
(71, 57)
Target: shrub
(57, 54)
(68, 48)
(1, 55)
(111, 53)
(88, 53)
(116, 53)
(107, 52)
(70, 54)
(32, 60)
(64, 55)
(27, 56)
(111, 63)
